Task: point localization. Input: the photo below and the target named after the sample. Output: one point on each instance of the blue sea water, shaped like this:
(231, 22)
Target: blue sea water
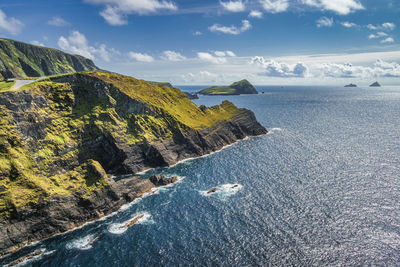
(321, 189)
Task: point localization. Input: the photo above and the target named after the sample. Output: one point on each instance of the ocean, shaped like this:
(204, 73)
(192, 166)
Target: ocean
(322, 188)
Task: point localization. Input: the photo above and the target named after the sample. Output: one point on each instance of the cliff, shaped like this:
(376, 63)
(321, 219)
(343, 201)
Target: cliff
(236, 88)
(63, 137)
(20, 60)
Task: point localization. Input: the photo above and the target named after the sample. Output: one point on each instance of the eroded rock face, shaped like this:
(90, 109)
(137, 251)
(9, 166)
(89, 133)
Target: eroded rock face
(60, 214)
(161, 180)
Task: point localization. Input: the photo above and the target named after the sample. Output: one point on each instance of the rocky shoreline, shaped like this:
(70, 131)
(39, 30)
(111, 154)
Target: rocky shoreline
(63, 213)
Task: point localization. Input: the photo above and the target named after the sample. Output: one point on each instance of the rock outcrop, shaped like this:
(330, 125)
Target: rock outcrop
(375, 84)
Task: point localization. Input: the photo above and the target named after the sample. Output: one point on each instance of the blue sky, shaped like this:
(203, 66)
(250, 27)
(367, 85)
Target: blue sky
(218, 42)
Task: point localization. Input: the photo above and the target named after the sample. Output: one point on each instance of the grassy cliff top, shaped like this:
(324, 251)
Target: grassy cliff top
(236, 88)
(170, 99)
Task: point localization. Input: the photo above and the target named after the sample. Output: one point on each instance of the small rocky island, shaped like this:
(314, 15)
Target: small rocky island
(351, 85)
(243, 87)
(375, 84)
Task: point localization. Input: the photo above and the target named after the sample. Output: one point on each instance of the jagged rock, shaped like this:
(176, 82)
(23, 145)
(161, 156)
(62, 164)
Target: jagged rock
(237, 88)
(161, 180)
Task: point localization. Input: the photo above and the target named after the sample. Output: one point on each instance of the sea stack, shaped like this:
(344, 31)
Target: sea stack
(375, 84)
(351, 85)
(243, 87)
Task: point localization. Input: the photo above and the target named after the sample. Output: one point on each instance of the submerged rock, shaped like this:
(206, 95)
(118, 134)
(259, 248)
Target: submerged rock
(212, 190)
(132, 222)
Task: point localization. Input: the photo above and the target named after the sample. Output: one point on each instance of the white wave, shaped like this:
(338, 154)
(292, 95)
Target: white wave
(83, 243)
(274, 130)
(223, 191)
(120, 228)
(33, 258)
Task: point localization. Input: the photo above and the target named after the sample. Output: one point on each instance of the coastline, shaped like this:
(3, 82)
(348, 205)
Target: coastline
(123, 207)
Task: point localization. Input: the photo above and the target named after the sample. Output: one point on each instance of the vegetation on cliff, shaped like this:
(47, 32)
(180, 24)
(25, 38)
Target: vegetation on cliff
(51, 128)
(20, 60)
(236, 88)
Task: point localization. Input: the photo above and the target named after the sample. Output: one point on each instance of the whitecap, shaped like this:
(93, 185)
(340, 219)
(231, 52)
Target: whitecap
(83, 243)
(223, 191)
(120, 228)
(31, 259)
(274, 130)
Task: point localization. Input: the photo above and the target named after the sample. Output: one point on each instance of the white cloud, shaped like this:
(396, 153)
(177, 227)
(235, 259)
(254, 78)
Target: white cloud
(377, 35)
(342, 7)
(348, 24)
(233, 6)
(389, 26)
(384, 26)
(379, 69)
(197, 33)
(256, 14)
(10, 25)
(224, 53)
(57, 21)
(34, 42)
(387, 40)
(204, 56)
(76, 43)
(231, 29)
(172, 56)
(116, 11)
(275, 6)
(140, 57)
(278, 69)
(324, 22)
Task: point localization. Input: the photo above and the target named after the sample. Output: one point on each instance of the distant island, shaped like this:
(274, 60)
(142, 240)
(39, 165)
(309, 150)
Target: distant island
(375, 84)
(351, 85)
(243, 87)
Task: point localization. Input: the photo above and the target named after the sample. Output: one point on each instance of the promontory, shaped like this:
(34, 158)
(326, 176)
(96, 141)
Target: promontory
(63, 139)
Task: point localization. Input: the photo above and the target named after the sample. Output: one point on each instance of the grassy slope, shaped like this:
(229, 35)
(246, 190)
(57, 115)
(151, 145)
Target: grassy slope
(6, 85)
(28, 172)
(23, 60)
(218, 90)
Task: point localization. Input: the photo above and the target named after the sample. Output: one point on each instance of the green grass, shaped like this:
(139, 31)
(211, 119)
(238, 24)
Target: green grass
(6, 85)
(218, 90)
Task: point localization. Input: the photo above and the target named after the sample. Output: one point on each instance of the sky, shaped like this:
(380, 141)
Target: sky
(188, 42)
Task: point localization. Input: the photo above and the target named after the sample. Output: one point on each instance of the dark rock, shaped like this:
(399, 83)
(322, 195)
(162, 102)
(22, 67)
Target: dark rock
(161, 180)
(351, 85)
(375, 84)
(192, 96)
(213, 190)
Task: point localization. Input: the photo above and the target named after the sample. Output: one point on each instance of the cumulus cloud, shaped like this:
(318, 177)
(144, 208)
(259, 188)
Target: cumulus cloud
(231, 29)
(207, 57)
(197, 33)
(388, 40)
(34, 42)
(256, 14)
(324, 22)
(230, 53)
(389, 26)
(271, 68)
(116, 11)
(10, 25)
(172, 56)
(341, 7)
(379, 69)
(140, 57)
(233, 6)
(76, 43)
(58, 22)
(275, 6)
(348, 24)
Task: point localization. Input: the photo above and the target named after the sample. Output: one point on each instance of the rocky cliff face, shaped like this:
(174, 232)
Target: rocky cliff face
(62, 138)
(19, 60)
